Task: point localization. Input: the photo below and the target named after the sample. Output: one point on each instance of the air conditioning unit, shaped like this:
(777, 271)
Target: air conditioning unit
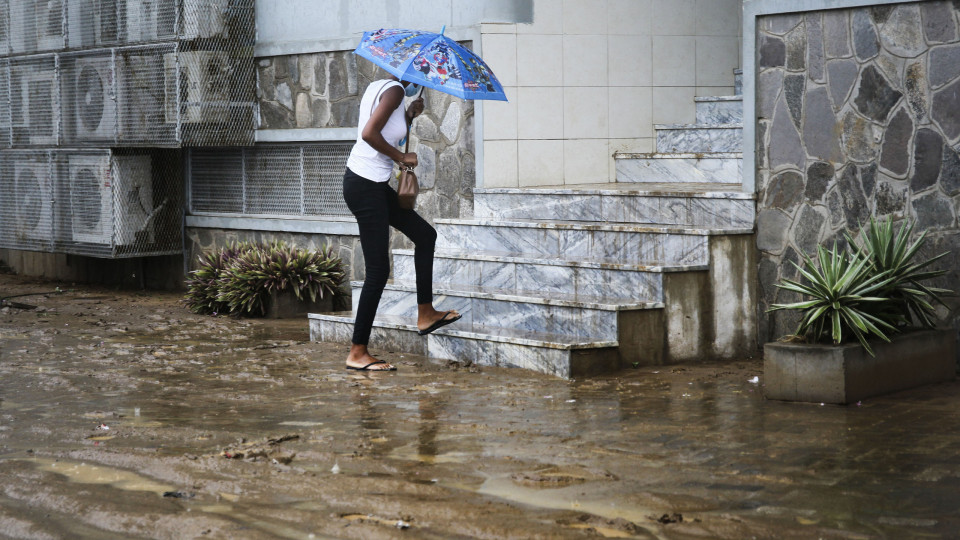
(94, 106)
(92, 23)
(150, 20)
(33, 106)
(20, 30)
(111, 199)
(33, 199)
(204, 18)
(49, 23)
(205, 78)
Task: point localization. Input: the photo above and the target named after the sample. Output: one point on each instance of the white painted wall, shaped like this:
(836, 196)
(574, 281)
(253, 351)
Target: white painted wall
(588, 78)
(585, 78)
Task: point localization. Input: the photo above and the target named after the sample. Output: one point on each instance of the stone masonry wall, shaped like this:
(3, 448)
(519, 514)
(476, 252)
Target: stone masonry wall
(858, 115)
(323, 90)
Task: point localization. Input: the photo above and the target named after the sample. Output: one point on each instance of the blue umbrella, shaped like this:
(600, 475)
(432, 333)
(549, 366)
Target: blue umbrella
(433, 61)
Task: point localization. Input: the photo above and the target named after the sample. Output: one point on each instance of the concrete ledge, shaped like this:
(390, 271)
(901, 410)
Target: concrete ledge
(846, 373)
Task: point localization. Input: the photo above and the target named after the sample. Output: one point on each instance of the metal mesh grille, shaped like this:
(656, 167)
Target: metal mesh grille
(128, 72)
(274, 180)
(91, 202)
(34, 101)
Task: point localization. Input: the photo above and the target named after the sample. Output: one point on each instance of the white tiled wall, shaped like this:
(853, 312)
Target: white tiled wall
(591, 77)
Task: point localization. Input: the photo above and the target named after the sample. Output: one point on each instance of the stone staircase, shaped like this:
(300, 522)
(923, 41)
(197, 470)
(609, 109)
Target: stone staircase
(658, 267)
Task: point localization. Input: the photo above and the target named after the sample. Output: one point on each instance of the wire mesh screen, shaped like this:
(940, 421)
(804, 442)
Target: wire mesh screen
(274, 180)
(128, 72)
(34, 101)
(91, 202)
(27, 198)
(4, 103)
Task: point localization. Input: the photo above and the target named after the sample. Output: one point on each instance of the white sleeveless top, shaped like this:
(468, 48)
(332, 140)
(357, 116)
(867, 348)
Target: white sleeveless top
(364, 159)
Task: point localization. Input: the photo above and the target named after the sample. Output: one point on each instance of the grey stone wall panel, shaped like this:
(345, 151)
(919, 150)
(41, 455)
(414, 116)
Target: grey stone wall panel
(894, 154)
(879, 138)
(902, 33)
(865, 41)
(943, 110)
(819, 177)
(938, 23)
(841, 73)
(815, 55)
(944, 65)
(875, 96)
(927, 159)
(773, 52)
(820, 126)
(836, 33)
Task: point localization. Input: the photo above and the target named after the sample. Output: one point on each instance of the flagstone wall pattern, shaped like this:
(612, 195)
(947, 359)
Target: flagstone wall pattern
(323, 90)
(858, 115)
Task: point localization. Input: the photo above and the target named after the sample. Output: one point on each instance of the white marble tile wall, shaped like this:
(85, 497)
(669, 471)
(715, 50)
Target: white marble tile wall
(626, 246)
(680, 169)
(696, 139)
(719, 111)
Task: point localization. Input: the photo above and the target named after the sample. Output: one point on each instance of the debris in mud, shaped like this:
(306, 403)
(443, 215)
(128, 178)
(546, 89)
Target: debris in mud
(609, 528)
(178, 495)
(558, 477)
(670, 518)
(103, 427)
(403, 523)
(255, 451)
(335, 469)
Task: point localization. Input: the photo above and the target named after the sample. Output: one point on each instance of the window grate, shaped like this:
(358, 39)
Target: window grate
(273, 180)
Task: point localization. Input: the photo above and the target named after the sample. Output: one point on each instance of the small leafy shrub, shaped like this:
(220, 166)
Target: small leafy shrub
(873, 289)
(203, 284)
(240, 278)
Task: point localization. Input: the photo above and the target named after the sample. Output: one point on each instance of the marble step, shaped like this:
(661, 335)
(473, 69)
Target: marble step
(719, 109)
(709, 168)
(697, 138)
(554, 354)
(516, 271)
(738, 82)
(703, 206)
(586, 317)
(630, 243)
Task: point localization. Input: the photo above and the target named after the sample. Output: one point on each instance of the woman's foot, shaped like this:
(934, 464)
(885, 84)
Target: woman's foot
(360, 359)
(429, 319)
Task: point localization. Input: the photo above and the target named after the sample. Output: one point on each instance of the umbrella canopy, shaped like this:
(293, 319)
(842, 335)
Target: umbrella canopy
(433, 61)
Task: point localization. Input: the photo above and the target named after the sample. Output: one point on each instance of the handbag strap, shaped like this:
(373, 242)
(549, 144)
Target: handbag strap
(373, 105)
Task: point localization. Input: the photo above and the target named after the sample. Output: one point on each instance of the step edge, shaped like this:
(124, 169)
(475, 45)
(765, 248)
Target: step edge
(718, 99)
(678, 155)
(554, 261)
(595, 226)
(691, 127)
(612, 304)
(731, 195)
(479, 336)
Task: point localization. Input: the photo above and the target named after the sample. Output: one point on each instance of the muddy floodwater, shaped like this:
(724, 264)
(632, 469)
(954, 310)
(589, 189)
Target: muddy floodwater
(122, 415)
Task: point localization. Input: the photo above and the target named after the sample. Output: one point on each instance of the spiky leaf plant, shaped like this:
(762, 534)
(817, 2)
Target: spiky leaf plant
(239, 278)
(203, 285)
(892, 254)
(843, 299)
(246, 283)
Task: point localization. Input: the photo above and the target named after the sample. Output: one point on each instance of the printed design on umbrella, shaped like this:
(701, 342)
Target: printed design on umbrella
(440, 68)
(431, 60)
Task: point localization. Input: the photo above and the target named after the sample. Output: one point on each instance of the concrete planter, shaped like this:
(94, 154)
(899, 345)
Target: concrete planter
(846, 373)
(285, 305)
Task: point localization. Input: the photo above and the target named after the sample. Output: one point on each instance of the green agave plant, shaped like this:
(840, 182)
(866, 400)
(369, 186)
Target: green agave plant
(240, 278)
(843, 300)
(892, 254)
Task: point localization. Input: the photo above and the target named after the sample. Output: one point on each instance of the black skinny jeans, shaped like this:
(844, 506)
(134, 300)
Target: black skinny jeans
(375, 206)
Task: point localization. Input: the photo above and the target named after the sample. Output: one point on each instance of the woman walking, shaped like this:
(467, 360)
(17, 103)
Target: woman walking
(383, 122)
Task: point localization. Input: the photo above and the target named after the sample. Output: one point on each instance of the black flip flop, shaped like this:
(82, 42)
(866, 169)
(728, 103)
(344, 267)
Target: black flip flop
(443, 321)
(367, 367)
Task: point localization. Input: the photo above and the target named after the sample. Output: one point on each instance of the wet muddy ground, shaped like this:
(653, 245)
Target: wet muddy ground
(123, 415)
